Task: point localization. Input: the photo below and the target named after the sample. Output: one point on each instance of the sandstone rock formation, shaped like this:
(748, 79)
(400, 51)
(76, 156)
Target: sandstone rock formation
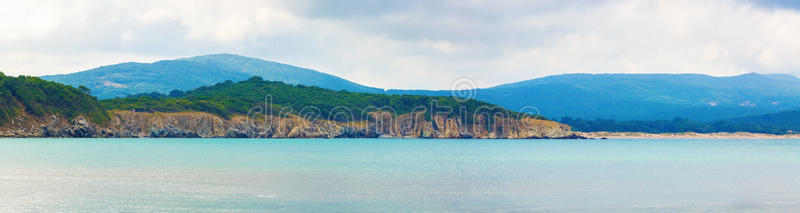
(204, 125)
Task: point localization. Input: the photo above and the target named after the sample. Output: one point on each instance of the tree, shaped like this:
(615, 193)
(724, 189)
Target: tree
(175, 93)
(84, 89)
(256, 78)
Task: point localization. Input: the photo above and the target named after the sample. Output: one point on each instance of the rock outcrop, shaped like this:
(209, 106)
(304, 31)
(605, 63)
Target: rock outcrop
(204, 125)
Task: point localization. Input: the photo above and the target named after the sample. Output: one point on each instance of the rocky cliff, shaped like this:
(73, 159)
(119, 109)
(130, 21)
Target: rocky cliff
(204, 125)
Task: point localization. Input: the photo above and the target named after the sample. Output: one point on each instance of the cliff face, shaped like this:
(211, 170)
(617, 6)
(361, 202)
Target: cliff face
(197, 124)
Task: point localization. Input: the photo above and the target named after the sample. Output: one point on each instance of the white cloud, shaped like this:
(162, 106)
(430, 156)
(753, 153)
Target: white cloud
(410, 44)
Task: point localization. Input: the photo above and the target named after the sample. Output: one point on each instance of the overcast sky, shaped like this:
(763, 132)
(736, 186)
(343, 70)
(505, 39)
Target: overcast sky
(408, 43)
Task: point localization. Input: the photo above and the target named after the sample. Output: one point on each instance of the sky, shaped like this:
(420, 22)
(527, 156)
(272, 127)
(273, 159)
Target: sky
(408, 44)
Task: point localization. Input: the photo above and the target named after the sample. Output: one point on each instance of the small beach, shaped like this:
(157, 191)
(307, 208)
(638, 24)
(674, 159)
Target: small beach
(686, 135)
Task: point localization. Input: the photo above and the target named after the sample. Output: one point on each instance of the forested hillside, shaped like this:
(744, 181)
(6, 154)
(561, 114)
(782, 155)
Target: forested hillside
(230, 97)
(36, 97)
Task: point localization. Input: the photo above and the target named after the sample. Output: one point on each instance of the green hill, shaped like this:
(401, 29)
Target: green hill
(124, 79)
(38, 98)
(229, 98)
(788, 120)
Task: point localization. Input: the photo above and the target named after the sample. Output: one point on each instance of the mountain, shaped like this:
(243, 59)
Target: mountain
(130, 78)
(24, 98)
(273, 71)
(123, 79)
(645, 96)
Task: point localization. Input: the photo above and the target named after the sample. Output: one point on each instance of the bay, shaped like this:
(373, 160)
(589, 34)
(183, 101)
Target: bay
(399, 175)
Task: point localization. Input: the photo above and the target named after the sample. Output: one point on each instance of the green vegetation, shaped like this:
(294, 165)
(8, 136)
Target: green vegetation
(39, 98)
(677, 125)
(229, 98)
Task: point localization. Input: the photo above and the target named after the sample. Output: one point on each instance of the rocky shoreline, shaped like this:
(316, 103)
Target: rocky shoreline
(126, 124)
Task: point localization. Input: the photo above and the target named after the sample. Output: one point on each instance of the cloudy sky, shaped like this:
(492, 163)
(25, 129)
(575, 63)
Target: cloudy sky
(409, 43)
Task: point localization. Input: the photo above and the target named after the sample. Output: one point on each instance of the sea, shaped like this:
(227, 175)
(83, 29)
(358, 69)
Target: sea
(399, 175)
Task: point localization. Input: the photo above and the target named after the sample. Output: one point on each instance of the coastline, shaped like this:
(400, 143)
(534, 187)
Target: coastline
(128, 124)
(687, 135)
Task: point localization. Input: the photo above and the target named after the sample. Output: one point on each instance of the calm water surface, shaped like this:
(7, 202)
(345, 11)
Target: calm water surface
(398, 175)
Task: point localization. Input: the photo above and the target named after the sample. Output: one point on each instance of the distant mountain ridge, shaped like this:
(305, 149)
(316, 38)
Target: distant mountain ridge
(274, 71)
(124, 79)
(644, 96)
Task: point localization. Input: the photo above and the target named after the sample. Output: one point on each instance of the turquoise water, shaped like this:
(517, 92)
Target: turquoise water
(399, 175)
